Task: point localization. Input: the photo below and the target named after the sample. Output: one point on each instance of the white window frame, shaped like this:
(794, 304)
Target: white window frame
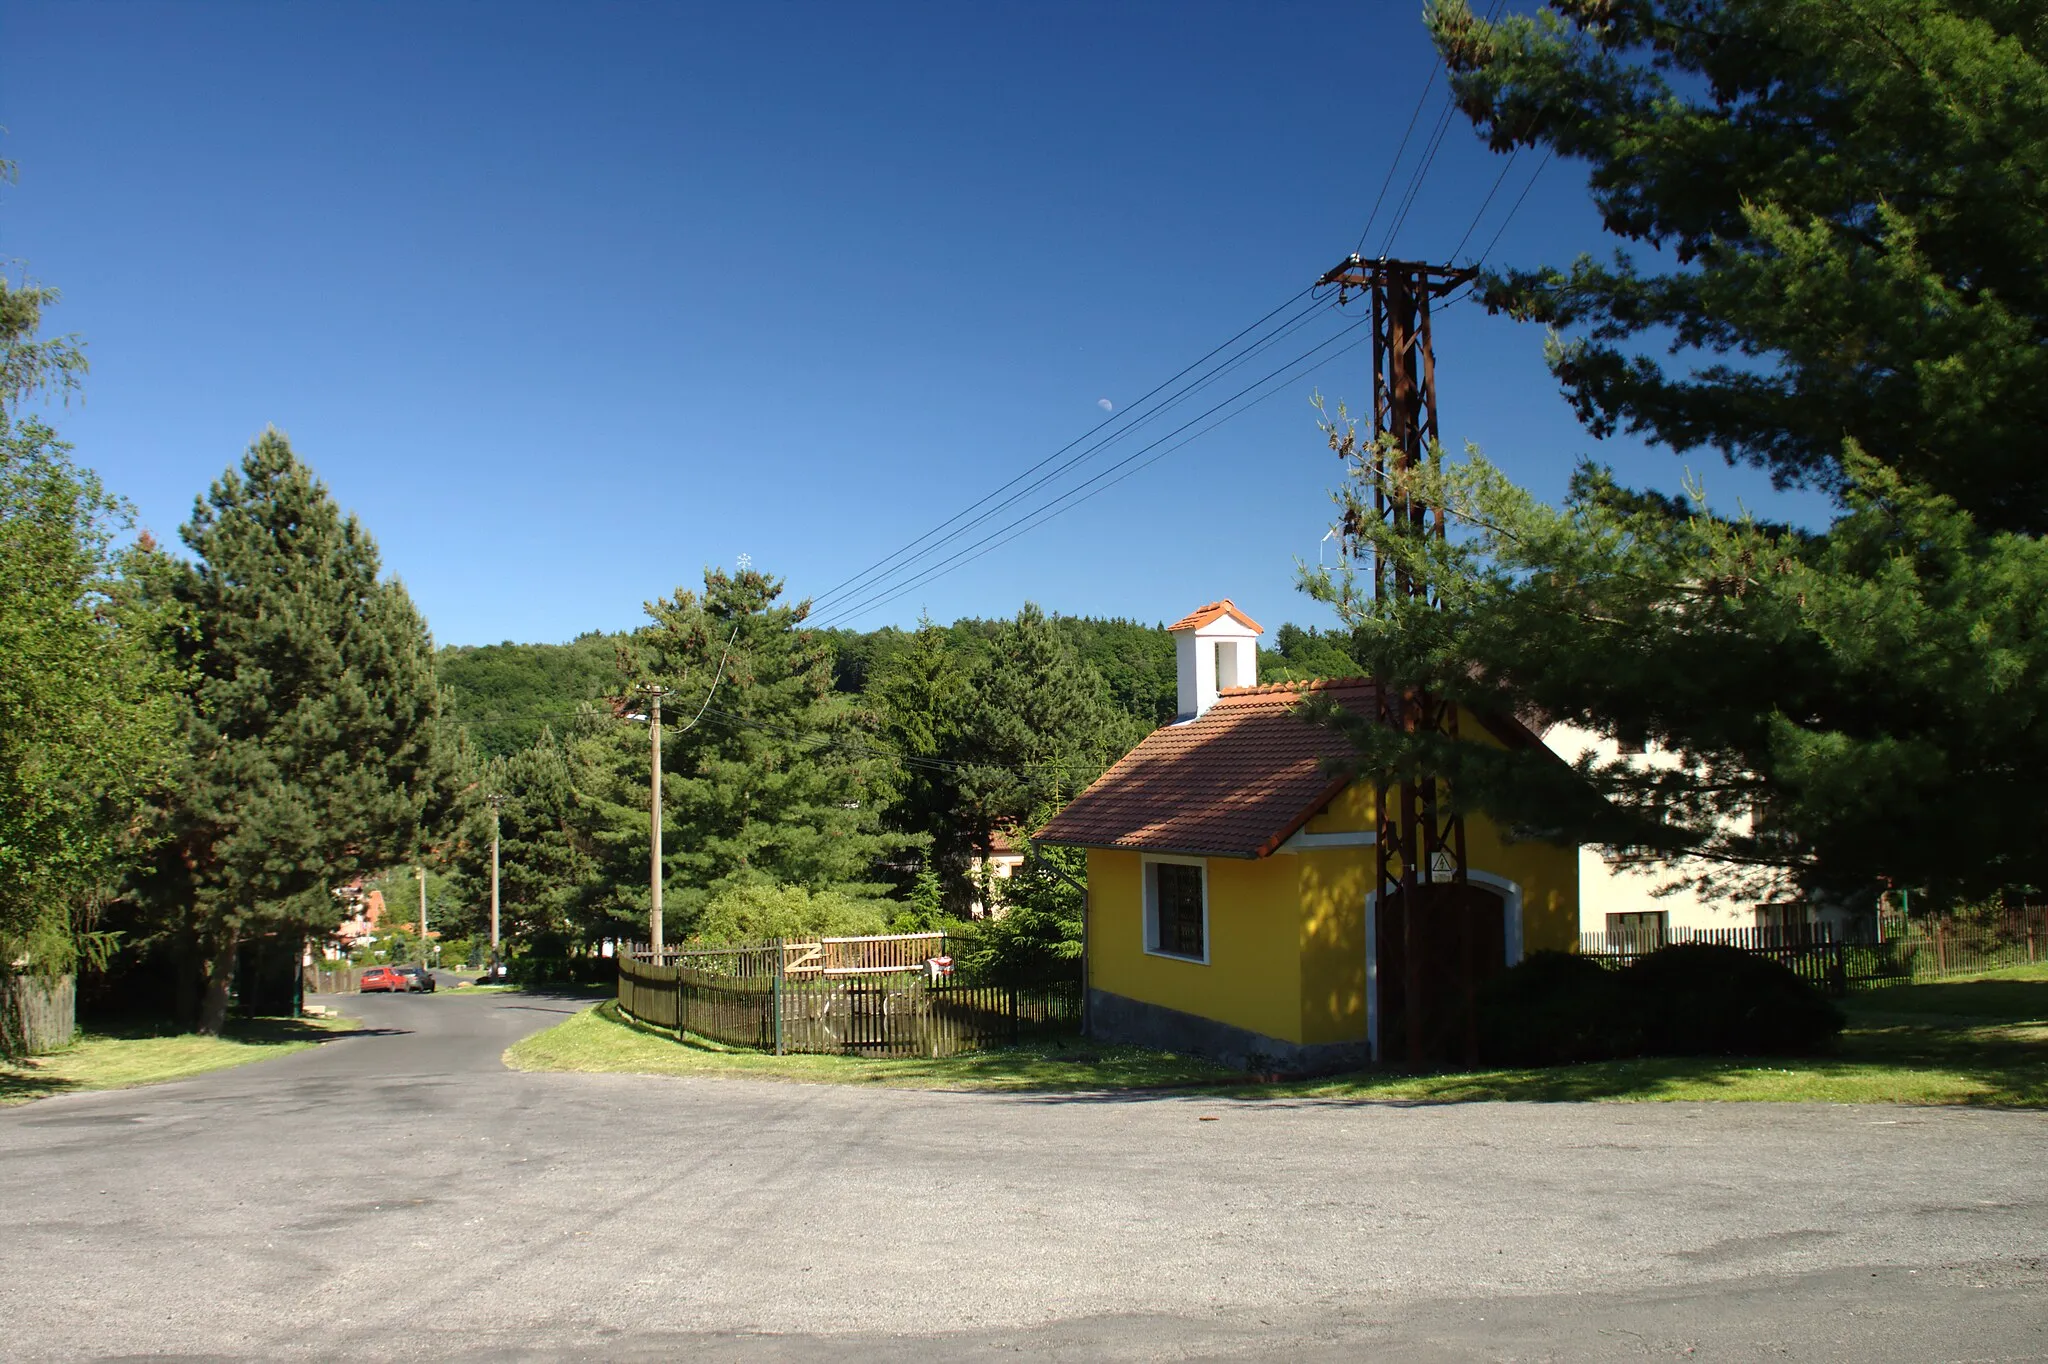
(1150, 926)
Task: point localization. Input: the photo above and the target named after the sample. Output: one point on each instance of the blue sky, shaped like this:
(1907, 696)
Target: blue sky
(567, 302)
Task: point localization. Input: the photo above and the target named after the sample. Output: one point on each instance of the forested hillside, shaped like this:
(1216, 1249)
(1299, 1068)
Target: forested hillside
(505, 694)
(812, 779)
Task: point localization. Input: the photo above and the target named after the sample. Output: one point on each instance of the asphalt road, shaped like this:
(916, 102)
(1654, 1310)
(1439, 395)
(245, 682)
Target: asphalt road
(400, 1194)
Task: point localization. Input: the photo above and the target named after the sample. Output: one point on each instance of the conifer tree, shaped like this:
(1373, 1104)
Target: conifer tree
(1041, 728)
(1847, 198)
(924, 696)
(313, 749)
(547, 873)
(770, 777)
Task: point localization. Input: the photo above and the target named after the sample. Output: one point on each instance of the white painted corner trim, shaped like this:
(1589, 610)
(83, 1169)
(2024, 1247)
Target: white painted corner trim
(1307, 842)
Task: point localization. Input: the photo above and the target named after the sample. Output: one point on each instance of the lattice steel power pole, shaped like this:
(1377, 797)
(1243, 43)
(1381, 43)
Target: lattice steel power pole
(1420, 844)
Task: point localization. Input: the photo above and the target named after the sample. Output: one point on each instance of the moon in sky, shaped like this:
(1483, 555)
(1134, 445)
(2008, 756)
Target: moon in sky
(1105, 404)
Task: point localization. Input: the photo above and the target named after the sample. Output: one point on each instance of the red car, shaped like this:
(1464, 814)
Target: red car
(383, 978)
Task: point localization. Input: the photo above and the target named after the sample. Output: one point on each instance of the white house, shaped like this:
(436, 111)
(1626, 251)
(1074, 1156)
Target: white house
(1653, 903)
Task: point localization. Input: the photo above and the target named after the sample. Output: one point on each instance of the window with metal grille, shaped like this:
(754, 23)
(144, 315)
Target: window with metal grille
(1176, 902)
(1640, 932)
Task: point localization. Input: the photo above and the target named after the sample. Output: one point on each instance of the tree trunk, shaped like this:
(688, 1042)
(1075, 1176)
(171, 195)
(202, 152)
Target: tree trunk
(189, 968)
(220, 974)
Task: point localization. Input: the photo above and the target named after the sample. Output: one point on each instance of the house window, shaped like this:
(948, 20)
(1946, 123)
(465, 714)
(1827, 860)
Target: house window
(1782, 919)
(1639, 932)
(1177, 910)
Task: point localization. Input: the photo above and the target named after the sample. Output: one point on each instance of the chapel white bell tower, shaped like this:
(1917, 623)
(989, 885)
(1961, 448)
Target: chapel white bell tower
(1215, 646)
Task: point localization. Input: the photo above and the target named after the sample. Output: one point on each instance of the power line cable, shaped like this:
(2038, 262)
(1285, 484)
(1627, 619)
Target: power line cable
(1123, 415)
(887, 594)
(874, 580)
(1399, 152)
(1516, 207)
(717, 677)
(1484, 204)
(1421, 177)
(1047, 511)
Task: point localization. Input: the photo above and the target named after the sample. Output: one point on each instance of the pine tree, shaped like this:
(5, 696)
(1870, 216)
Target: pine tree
(770, 777)
(1848, 198)
(1040, 729)
(924, 696)
(313, 746)
(547, 875)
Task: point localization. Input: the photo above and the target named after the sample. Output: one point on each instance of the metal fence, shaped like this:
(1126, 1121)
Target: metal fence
(1922, 949)
(891, 1014)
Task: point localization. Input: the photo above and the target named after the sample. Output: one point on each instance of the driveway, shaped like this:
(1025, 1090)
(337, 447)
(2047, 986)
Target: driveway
(400, 1194)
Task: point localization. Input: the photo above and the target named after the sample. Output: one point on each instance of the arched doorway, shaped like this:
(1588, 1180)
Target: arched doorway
(1460, 942)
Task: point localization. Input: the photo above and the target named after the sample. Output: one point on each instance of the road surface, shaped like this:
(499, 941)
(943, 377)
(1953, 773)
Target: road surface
(400, 1194)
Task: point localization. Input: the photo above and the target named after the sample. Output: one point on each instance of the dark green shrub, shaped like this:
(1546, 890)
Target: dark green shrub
(537, 970)
(1554, 1008)
(1700, 999)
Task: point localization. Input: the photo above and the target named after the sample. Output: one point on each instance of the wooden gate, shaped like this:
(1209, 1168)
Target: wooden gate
(1461, 941)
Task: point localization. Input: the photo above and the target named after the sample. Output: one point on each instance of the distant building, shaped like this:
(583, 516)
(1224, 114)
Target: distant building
(1005, 855)
(1636, 905)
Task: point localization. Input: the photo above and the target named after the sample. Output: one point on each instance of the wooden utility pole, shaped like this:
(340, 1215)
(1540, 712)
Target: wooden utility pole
(422, 871)
(497, 803)
(654, 943)
(1419, 845)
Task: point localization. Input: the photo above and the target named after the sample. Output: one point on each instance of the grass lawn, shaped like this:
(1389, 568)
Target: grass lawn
(120, 1060)
(1980, 1040)
(603, 1040)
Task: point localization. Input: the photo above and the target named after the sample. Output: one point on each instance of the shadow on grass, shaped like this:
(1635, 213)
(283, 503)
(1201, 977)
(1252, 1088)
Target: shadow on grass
(2011, 1001)
(1885, 1059)
(17, 1085)
(1985, 1058)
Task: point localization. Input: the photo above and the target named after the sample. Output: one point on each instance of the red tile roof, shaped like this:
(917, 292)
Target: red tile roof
(1202, 615)
(1235, 782)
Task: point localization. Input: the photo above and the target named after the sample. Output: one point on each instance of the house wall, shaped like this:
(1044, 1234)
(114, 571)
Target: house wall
(1287, 937)
(1252, 979)
(1332, 886)
(1607, 888)
(1287, 977)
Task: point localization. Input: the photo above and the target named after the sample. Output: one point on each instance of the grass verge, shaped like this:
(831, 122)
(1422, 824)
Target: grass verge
(1974, 1040)
(124, 1059)
(604, 1040)
(1980, 1040)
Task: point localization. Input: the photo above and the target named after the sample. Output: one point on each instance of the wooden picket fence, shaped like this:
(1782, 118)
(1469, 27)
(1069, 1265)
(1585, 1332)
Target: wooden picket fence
(877, 1014)
(798, 958)
(37, 1013)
